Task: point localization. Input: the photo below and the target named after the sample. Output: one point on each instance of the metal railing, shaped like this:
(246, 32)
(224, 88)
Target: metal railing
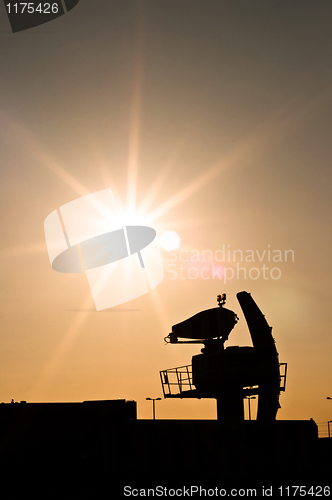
(177, 380)
(325, 429)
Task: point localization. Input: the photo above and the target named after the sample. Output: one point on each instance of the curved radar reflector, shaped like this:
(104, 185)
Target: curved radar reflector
(121, 262)
(208, 324)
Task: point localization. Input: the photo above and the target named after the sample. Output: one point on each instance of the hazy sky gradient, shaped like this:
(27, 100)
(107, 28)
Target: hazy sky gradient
(228, 103)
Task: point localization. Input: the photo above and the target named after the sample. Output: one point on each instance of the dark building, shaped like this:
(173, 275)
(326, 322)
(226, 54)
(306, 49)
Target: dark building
(85, 447)
(84, 450)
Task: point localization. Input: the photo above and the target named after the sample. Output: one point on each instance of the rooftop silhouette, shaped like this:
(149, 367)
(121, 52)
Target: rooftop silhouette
(94, 444)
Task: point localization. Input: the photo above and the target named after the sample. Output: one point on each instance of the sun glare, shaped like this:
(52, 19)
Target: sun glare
(170, 240)
(132, 219)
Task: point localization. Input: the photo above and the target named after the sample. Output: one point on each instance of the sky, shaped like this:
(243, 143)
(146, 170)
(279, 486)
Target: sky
(214, 118)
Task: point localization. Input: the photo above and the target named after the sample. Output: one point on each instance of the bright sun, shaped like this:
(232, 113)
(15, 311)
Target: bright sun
(170, 240)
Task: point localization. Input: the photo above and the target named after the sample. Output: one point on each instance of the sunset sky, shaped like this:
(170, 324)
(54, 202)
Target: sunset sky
(213, 118)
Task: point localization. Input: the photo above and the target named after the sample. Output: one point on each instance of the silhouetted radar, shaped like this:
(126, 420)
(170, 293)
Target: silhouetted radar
(205, 325)
(228, 374)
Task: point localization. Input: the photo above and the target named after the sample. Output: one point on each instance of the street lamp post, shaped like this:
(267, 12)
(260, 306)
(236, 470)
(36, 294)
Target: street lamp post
(154, 407)
(329, 421)
(249, 398)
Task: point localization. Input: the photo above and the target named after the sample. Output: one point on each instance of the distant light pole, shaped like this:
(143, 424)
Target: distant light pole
(249, 398)
(329, 421)
(328, 426)
(154, 407)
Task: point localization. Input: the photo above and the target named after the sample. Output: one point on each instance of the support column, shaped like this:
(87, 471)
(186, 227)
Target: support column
(230, 413)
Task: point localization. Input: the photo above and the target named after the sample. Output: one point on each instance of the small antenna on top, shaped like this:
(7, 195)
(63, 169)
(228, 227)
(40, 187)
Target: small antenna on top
(221, 299)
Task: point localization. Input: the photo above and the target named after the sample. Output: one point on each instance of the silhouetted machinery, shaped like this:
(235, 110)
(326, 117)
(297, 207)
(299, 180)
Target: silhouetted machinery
(228, 374)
